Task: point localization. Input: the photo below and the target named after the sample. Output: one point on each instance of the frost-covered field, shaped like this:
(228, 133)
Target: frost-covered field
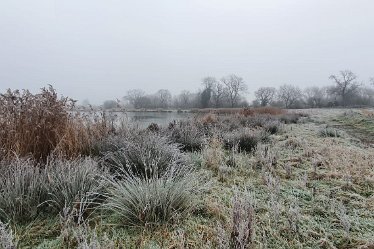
(264, 178)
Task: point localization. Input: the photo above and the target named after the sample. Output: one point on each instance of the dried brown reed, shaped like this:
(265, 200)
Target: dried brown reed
(243, 111)
(81, 133)
(368, 113)
(262, 110)
(209, 119)
(40, 124)
(31, 123)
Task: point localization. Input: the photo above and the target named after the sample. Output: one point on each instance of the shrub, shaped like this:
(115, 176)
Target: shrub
(289, 118)
(272, 127)
(244, 139)
(231, 123)
(258, 120)
(329, 132)
(74, 183)
(190, 135)
(21, 190)
(209, 119)
(142, 152)
(156, 200)
(293, 143)
(111, 143)
(153, 127)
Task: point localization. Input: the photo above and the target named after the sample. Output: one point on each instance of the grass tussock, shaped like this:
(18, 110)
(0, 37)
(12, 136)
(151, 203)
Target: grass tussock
(30, 191)
(143, 152)
(153, 200)
(245, 140)
(329, 132)
(22, 190)
(190, 134)
(73, 184)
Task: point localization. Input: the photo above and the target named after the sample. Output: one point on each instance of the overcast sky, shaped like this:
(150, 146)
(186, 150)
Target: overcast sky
(99, 49)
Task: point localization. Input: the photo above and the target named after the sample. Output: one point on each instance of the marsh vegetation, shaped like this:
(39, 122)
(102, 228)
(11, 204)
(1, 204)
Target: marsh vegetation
(250, 178)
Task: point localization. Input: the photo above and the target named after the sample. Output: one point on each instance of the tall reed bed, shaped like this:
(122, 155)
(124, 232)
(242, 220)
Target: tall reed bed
(41, 124)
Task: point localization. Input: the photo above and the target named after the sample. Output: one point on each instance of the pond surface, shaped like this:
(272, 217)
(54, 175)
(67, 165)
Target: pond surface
(143, 119)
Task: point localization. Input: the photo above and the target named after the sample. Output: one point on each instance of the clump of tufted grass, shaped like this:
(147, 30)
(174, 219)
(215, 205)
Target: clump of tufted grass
(152, 200)
(21, 190)
(73, 183)
(28, 189)
(245, 140)
(142, 152)
(329, 132)
(189, 134)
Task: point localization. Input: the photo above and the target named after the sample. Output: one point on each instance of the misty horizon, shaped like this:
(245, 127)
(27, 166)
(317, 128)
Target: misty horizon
(99, 50)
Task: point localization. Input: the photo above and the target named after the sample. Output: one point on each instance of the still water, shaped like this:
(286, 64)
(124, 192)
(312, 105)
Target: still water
(144, 119)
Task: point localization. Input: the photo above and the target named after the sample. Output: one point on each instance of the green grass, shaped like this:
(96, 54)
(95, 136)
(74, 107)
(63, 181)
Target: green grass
(357, 124)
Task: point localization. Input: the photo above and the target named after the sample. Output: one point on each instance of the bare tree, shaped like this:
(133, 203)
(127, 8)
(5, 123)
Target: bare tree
(315, 96)
(364, 96)
(208, 82)
(372, 81)
(289, 94)
(164, 96)
(265, 95)
(218, 94)
(185, 97)
(234, 86)
(345, 85)
(206, 94)
(135, 97)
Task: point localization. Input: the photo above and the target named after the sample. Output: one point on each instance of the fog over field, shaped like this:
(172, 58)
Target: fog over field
(98, 50)
(187, 124)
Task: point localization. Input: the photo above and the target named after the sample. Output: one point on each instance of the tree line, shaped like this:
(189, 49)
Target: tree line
(344, 91)
(230, 91)
(226, 92)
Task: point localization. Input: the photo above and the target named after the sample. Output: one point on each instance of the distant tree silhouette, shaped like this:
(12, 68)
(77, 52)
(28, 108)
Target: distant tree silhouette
(345, 85)
(265, 95)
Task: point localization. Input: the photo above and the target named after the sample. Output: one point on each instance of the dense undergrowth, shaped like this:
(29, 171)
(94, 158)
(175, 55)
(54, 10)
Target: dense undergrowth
(254, 179)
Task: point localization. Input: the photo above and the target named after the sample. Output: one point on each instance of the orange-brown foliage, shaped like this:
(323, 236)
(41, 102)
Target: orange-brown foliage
(243, 111)
(209, 119)
(368, 113)
(262, 110)
(40, 124)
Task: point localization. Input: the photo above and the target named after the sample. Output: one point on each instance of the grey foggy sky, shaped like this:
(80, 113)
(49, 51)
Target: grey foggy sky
(99, 49)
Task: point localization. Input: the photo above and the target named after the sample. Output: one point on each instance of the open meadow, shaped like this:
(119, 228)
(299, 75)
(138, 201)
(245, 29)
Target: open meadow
(256, 178)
